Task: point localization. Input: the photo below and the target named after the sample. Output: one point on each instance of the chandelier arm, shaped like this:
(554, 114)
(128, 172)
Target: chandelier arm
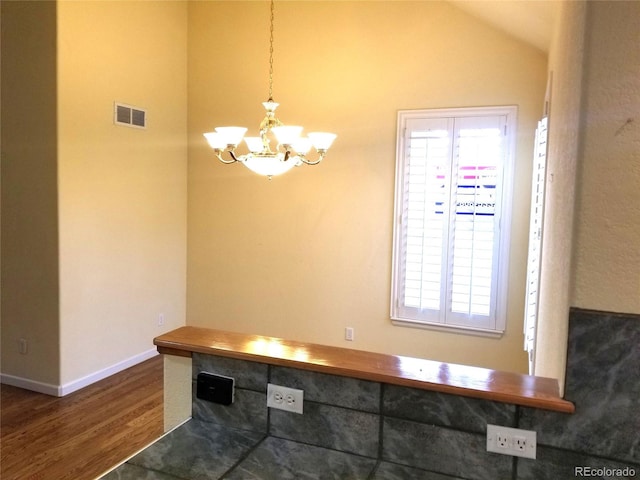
(233, 155)
(219, 153)
(304, 160)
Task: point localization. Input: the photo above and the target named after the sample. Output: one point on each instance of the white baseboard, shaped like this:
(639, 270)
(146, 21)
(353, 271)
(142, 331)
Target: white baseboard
(28, 384)
(75, 385)
(67, 388)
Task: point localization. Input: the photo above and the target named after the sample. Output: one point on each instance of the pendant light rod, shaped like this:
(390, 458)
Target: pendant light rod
(271, 51)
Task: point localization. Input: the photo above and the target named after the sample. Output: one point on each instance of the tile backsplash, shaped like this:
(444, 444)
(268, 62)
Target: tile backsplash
(406, 428)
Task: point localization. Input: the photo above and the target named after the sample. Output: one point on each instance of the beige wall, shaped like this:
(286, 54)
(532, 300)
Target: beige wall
(565, 66)
(592, 221)
(122, 191)
(29, 191)
(93, 215)
(307, 254)
(304, 255)
(607, 246)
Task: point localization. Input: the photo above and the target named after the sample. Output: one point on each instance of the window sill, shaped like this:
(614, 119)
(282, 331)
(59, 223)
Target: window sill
(462, 380)
(480, 332)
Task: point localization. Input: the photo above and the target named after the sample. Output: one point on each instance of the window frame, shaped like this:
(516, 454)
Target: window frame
(498, 324)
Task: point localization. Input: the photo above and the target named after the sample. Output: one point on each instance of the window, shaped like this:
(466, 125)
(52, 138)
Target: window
(451, 236)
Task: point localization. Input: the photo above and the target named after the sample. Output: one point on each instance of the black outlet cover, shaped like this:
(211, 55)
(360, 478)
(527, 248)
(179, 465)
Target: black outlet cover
(215, 388)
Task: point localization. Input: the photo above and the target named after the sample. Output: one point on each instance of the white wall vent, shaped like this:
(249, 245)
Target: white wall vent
(129, 116)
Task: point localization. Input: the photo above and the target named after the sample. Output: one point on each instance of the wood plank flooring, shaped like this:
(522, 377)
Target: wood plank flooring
(84, 434)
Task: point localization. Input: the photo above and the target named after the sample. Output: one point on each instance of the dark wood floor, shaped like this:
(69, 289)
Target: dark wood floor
(84, 434)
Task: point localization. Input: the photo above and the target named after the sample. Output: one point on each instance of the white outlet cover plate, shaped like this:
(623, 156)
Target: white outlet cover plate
(285, 398)
(519, 443)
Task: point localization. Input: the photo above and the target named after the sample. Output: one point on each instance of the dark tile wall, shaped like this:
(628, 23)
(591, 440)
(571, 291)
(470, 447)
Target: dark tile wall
(603, 380)
(249, 410)
(412, 433)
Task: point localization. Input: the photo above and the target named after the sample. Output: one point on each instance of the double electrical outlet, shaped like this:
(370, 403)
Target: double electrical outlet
(511, 441)
(285, 398)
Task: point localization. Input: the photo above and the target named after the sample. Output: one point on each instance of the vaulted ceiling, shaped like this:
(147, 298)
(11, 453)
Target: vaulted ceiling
(528, 20)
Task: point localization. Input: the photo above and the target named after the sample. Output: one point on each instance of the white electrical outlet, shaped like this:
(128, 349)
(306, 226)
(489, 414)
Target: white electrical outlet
(503, 442)
(23, 346)
(511, 441)
(520, 443)
(161, 320)
(285, 398)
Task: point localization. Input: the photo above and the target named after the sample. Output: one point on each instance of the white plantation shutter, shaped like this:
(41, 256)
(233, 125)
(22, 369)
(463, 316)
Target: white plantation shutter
(447, 239)
(478, 160)
(426, 194)
(535, 241)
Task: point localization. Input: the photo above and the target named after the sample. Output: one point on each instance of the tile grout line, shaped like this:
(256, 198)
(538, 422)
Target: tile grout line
(244, 457)
(380, 430)
(514, 463)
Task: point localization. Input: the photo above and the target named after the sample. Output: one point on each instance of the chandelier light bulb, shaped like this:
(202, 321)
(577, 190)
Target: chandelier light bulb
(215, 140)
(231, 135)
(269, 166)
(301, 145)
(287, 134)
(322, 140)
(254, 144)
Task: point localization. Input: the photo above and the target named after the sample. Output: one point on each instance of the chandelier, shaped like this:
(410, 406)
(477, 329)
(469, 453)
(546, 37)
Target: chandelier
(290, 149)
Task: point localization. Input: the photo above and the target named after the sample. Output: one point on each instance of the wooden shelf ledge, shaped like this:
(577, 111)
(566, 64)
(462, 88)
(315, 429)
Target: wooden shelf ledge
(474, 382)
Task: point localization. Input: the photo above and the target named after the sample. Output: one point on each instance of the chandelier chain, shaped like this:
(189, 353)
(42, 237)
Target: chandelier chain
(271, 54)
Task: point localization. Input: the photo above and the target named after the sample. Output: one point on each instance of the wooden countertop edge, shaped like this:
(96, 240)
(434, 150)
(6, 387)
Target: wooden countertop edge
(503, 387)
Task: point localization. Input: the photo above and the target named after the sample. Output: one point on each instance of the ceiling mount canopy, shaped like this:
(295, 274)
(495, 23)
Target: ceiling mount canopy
(290, 148)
